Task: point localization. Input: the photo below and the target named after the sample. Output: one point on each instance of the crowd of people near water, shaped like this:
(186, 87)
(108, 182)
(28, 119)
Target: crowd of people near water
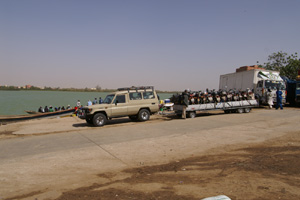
(94, 102)
(78, 106)
(53, 109)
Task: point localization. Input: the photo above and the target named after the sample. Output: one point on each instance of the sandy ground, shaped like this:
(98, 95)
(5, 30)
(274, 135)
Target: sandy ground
(257, 157)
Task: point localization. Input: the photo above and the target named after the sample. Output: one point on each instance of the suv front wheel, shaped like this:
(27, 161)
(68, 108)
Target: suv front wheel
(99, 119)
(144, 115)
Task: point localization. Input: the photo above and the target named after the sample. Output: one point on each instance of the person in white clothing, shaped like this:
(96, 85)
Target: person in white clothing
(270, 98)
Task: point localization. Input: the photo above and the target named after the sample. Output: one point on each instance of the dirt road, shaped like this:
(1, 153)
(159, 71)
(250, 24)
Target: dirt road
(243, 156)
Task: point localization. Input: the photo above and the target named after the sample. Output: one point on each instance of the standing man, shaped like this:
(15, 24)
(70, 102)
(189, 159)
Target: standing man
(78, 104)
(279, 99)
(270, 98)
(100, 100)
(89, 103)
(95, 101)
(185, 103)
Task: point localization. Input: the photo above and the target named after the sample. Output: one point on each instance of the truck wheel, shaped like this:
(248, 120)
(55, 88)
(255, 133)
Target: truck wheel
(226, 111)
(144, 115)
(99, 119)
(192, 114)
(240, 110)
(247, 110)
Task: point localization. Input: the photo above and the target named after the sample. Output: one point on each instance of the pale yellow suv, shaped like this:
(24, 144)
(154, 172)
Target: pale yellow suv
(136, 102)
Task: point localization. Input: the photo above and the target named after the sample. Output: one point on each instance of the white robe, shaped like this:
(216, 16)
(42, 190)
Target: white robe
(270, 99)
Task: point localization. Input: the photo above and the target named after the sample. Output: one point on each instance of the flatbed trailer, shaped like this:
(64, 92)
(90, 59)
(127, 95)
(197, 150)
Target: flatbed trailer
(244, 106)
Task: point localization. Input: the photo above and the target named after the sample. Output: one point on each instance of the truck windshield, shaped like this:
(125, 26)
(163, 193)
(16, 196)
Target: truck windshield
(275, 85)
(108, 99)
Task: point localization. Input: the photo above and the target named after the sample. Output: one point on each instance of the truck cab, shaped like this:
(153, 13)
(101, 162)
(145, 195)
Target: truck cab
(263, 86)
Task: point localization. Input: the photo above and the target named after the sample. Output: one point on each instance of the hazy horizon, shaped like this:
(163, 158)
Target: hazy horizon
(171, 44)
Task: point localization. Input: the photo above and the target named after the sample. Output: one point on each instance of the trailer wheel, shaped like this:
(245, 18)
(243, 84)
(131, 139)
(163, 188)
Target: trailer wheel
(192, 114)
(247, 110)
(240, 110)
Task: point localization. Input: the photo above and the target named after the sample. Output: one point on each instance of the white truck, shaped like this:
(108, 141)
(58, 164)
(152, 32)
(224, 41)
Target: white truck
(256, 79)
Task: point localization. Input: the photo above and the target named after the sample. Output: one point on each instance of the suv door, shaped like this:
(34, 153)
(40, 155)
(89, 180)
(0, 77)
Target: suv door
(135, 102)
(120, 105)
(151, 100)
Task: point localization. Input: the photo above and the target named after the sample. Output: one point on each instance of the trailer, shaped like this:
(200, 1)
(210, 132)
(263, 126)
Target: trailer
(243, 106)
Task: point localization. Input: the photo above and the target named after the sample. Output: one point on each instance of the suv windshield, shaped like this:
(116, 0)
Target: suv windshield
(274, 85)
(108, 99)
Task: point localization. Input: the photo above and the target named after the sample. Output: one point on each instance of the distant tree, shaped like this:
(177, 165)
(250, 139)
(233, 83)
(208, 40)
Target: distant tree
(12, 88)
(287, 65)
(98, 88)
(47, 88)
(35, 88)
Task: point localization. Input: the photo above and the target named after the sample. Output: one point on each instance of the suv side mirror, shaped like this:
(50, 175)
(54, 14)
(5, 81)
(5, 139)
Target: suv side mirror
(117, 102)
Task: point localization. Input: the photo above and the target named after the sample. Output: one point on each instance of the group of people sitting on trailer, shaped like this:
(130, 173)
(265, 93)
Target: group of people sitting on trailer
(51, 109)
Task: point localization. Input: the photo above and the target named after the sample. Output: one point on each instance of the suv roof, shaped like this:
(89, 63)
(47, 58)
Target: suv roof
(136, 88)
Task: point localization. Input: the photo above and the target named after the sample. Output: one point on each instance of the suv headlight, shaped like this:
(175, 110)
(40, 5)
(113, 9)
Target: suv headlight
(86, 110)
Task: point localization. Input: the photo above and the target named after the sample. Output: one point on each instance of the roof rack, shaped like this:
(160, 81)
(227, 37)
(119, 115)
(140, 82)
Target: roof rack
(136, 88)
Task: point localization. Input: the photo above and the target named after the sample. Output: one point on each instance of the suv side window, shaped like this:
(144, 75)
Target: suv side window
(120, 99)
(135, 96)
(148, 95)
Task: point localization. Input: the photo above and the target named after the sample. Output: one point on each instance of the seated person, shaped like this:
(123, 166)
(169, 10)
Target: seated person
(41, 110)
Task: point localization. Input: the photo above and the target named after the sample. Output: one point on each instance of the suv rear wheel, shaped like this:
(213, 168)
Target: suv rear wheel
(144, 115)
(99, 119)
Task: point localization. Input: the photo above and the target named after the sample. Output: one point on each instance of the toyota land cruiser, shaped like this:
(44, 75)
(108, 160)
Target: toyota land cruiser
(136, 102)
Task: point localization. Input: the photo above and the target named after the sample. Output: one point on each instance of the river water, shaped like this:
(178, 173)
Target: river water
(16, 102)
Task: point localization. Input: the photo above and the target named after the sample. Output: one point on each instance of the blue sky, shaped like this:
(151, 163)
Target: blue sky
(171, 44)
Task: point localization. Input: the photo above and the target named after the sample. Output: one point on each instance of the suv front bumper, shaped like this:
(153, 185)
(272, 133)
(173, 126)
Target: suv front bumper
(83, 113)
